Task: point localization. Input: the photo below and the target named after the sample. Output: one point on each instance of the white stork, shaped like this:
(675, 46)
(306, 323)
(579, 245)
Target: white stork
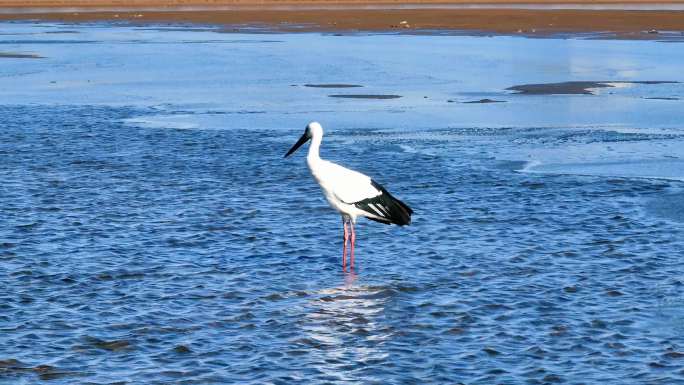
(349, 192)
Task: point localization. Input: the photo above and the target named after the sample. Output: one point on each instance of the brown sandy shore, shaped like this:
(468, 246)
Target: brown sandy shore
(376, 15)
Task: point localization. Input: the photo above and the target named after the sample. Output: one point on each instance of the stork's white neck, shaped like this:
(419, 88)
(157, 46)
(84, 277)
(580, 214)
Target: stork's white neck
(314, 148)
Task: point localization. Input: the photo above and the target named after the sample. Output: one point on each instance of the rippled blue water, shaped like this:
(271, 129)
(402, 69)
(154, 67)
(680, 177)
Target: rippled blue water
(151, 233)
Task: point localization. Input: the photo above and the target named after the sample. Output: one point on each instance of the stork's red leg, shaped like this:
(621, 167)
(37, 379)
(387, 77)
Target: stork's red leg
(344, 247)
(353, 240)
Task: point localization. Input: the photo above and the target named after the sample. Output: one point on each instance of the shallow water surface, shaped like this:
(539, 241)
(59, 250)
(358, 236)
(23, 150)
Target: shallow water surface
(152, 233)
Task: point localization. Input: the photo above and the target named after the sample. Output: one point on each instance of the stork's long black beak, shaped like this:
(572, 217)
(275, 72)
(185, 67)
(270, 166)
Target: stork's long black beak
(299, 143)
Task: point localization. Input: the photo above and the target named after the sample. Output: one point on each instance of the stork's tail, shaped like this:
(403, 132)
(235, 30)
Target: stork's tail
(385, 208)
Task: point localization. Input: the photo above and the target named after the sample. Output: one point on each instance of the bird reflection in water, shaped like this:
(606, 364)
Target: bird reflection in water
(344, 327)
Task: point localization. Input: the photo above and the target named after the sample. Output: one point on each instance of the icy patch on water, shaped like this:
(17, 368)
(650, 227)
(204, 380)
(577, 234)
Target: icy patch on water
(184, 122)
(413, 150)
(613, 151)
(656, 169)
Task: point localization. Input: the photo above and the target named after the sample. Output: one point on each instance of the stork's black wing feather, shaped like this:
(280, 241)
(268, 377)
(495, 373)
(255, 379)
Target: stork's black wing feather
(385, 208)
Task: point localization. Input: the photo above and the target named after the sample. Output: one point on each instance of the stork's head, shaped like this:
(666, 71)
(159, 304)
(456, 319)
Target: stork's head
(313, 129)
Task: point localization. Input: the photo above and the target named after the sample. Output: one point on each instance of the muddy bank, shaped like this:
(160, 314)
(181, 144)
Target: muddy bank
(364, 96)
(16, 55)
(332, 85)
(484, 101)
(628, 24)
(573, 87)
